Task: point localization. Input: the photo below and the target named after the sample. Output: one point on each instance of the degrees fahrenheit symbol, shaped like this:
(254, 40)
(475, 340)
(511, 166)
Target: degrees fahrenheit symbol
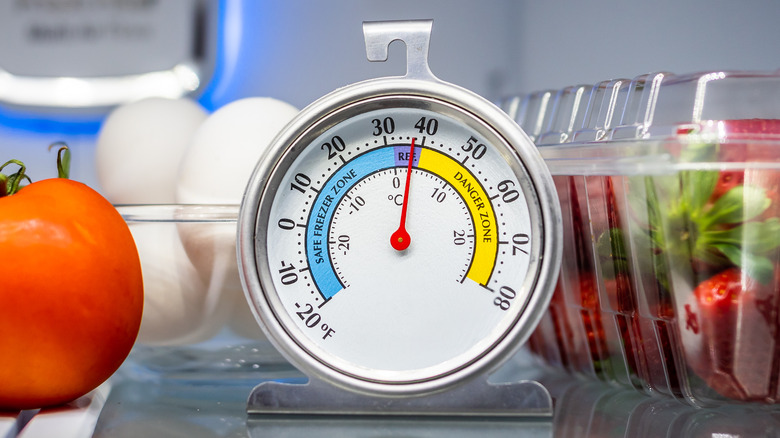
(400, 239)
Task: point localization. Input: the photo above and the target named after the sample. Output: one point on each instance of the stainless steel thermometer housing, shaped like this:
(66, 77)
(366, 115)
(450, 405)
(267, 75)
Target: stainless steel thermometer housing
(347, 305)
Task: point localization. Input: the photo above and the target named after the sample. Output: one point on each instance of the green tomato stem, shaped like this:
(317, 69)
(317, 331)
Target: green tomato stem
(12, 183)
(63, 159)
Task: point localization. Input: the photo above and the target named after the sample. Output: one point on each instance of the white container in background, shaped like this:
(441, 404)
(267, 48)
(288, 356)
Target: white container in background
(93, 54)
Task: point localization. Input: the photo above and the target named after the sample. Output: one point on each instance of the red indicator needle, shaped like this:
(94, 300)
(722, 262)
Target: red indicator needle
(400, 239)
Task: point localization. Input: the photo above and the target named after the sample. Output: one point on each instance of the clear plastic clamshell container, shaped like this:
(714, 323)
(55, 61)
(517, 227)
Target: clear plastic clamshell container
(670, 194)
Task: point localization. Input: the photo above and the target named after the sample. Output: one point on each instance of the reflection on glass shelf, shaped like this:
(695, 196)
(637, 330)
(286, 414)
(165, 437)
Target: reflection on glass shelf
(594, 409)
(583, 408)
(217, 409)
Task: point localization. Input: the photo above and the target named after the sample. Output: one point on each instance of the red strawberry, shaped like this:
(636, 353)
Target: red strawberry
(591, 319)
(727, 180)
(744, 142)
(553, 338)
(745, 145)
(576, 310)
(752, 126)
(580, 282)
(729, 337)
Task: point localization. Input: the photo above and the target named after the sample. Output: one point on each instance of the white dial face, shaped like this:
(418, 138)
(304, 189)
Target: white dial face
(395, 276)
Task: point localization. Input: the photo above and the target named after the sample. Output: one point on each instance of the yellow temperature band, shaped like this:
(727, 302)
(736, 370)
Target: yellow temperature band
(484, 218)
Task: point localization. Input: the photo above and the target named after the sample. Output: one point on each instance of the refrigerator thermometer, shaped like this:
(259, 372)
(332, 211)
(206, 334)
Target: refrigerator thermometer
(400, 236)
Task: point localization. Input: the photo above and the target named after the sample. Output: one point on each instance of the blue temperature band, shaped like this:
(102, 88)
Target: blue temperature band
(328, 198)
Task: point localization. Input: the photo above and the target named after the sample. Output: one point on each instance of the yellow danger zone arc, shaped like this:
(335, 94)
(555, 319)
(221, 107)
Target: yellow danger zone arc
(478, 204)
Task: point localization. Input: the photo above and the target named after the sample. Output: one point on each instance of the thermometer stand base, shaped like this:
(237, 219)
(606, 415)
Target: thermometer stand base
(478, 399)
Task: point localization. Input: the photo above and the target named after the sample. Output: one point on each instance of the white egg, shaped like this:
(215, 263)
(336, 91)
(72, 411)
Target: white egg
(215, 170)
(139, 148)
(226, 147)
(179, 307)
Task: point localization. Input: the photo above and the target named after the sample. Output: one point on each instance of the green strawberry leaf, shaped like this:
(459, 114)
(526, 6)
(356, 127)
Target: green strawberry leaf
(755, 237)
(697, 187)
(610, 248)
(740, 204)
(762, 237)
(711, 254)
(756, 266)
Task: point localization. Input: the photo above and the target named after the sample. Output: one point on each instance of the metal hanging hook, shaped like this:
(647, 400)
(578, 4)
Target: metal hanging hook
(416, 34)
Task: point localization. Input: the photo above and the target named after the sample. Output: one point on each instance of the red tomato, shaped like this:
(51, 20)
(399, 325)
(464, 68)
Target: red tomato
(71, 293)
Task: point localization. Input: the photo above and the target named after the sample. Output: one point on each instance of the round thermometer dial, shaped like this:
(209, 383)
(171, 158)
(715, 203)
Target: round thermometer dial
(395, 240)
